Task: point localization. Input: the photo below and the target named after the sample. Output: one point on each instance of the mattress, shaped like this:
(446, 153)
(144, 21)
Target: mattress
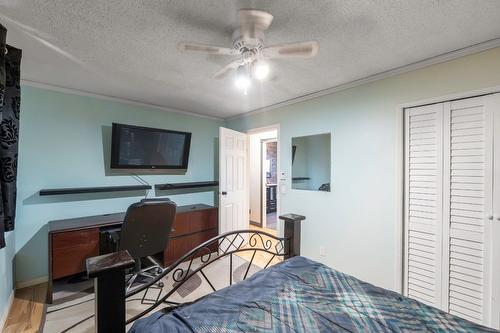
(301, 295)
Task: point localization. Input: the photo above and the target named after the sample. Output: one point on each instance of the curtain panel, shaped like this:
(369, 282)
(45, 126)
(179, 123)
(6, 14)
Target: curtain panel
(9, 135)
(10, 102)
(3, 35)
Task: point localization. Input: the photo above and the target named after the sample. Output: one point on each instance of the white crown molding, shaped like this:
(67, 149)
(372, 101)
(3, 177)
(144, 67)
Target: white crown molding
(448, 56)
(79, 92)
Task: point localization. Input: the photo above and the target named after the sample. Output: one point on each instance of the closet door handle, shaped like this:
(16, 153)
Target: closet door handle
(490, 217)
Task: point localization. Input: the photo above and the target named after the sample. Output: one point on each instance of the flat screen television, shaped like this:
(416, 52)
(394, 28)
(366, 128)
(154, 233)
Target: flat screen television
(134, 147)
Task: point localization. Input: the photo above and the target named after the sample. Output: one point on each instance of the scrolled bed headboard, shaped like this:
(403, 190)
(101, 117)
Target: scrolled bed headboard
(108, 270)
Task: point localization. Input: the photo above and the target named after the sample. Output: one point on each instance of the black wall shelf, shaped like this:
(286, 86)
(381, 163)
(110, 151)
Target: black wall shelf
(178, 186)
(80, 190)
(162, 187)
(300, 178)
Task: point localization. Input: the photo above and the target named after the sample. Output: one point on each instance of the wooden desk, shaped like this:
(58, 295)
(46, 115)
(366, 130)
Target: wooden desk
(72, 241)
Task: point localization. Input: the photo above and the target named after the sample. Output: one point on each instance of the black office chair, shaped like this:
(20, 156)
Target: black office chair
(145, 231)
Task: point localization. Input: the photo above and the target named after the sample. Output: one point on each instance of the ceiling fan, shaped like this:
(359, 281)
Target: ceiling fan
(248, 45)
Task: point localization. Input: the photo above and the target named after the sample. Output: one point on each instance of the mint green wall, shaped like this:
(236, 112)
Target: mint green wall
(6, 273)
(300, 166)
(319, 152)
(312, 160)
(64, 142)
(357, 221)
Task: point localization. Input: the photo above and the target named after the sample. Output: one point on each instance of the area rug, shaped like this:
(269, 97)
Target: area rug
(73, 306)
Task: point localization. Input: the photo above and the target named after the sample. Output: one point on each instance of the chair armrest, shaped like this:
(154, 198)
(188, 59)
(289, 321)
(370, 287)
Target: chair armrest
(113, 236)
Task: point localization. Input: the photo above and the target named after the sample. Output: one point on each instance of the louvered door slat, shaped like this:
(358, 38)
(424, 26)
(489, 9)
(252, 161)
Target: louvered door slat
(424, 203)
(452, 207)
(466, 204)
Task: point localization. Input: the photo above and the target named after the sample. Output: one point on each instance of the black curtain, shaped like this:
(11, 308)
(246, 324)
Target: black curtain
(3, 35)
(10, 101)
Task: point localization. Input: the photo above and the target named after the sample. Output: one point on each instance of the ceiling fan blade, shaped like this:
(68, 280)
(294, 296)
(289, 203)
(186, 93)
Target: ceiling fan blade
(292, 50)
(224, 71)
(205, 49)
(252, 20)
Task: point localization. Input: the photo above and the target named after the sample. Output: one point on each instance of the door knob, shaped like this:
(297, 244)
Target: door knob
(490, 217)
(223, 192)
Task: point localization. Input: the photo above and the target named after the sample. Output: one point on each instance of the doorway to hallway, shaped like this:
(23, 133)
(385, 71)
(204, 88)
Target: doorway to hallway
(263, 178)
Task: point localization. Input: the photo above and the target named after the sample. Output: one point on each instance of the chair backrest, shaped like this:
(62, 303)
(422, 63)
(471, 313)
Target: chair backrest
(146, 228)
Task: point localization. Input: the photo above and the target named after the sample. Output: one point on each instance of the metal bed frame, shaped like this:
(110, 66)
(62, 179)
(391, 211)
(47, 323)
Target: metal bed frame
(108, 270)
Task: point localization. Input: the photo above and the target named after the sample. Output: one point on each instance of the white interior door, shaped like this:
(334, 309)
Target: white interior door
(233, 203)
(424, 203)
(468, 199)
(452, 207)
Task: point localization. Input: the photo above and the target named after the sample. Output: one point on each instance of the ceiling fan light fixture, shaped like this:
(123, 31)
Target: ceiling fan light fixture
(243, 80)
(260, 70)
(248, 45)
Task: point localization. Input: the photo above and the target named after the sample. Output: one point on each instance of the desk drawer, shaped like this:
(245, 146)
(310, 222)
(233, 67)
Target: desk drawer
(177, 247)
(194, 221)
(181, 225)
(203, 220)
(71, 249)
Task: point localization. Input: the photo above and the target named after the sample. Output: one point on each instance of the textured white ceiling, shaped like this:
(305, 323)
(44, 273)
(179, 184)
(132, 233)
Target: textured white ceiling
(127, 49)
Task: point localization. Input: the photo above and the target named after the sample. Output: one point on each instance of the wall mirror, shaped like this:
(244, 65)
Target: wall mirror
(311, 162)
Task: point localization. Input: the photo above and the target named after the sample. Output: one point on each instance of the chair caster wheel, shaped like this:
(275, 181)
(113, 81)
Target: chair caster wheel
(161, 284)
(159, 270)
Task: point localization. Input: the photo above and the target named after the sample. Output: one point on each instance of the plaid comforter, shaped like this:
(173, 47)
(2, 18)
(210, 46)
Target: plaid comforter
(300, 295)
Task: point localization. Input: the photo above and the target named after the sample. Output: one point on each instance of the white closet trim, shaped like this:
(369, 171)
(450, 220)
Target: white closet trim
(399, 277)
(450, 231)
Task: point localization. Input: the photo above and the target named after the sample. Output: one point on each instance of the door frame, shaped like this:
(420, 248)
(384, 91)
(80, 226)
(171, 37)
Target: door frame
(263, 193)
(399, 263)
(281, 182)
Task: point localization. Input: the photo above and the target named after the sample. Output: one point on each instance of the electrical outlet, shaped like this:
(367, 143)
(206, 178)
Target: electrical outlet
(322, 251)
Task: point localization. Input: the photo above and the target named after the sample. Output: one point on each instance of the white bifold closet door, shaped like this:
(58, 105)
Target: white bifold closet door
(450, 220)
(424, 208)
(468, 195)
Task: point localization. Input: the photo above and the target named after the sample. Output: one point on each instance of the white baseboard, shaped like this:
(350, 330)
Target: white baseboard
(5, 314)
(33, 282)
